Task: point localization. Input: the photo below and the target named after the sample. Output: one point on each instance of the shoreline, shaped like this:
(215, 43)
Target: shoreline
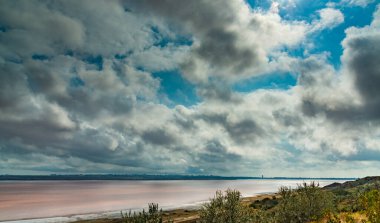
(181, 213)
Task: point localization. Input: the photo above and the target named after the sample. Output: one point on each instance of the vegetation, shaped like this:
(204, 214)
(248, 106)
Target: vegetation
(154, 215)
(304, 204)
(265, 204)
(226, 208)
(371, 205)
(351, 202)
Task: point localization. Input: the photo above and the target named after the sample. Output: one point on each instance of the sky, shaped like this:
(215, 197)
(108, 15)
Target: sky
(229, 87)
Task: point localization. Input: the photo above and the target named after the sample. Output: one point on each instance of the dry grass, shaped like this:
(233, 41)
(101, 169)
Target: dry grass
(346, 217)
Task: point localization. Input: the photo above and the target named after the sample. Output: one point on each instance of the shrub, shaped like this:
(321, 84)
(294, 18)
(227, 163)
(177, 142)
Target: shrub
(304, 204)
(371, 204)
(264, 204)
(263, 216)
(154, 215)
(226, 208)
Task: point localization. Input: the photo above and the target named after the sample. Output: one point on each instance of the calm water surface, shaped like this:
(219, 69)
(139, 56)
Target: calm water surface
(42, 199)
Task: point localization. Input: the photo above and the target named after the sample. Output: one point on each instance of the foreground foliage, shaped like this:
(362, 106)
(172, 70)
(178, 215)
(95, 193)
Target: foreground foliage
(304, 204)
(154, 215)
(225, 207)
(371, 203)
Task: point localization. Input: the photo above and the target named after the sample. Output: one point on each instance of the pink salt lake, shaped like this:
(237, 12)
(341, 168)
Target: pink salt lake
(46, 199)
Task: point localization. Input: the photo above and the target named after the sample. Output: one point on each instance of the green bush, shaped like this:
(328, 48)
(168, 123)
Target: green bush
(371, 203)
(304, 204)
(264, 204)
(154, 215)
(225, 207)
(263, 216)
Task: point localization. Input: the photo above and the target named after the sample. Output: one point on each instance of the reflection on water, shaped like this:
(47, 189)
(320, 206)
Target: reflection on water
(39, 199)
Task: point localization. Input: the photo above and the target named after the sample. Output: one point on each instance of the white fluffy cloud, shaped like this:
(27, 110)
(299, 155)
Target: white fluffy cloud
(329, 18)
(76, 89)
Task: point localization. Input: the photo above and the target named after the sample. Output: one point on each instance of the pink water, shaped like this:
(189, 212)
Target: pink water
(42, 199)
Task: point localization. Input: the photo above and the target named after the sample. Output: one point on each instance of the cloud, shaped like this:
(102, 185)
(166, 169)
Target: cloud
(84, 97)
(343, 104)
(24, 37)
(361, 3)
(158, 137)
(159, 58)
(329, 19)
(231, 43)
(361, 55)
(350, 95)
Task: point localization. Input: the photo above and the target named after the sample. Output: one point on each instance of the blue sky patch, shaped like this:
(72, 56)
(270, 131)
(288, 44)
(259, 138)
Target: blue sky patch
(271, 81)
(76, 82)
(162, 40)
(329, 40)
(95, 60)
(263, 4)
(176, 88)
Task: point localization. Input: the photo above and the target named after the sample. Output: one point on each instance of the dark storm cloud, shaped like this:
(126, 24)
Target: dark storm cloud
(216, 157)
(44, 80)
(363, 60)
(219, 47)
(42, 138)
(310, 108)
(36, 132)
(287, 118)
(158, 137)
(12, 86)
(28, 34)
(215, 152)
(243, 130)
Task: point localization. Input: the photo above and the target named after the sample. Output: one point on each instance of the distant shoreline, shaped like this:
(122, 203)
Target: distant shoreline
(151, 177)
